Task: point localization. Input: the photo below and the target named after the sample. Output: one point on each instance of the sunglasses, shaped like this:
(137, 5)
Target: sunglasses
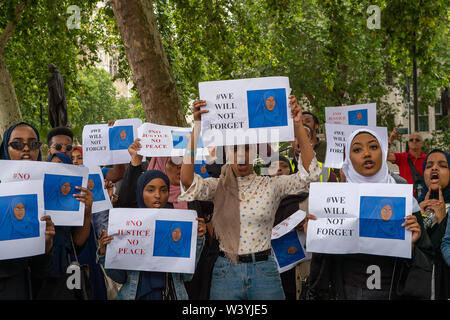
(16, 145)
(59, 147)
(415, 140)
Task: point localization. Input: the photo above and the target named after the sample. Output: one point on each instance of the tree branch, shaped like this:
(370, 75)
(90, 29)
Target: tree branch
(11, 26)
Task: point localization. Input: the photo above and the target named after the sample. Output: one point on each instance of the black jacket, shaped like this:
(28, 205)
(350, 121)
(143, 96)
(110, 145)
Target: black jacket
(17, 276)
(405, 278)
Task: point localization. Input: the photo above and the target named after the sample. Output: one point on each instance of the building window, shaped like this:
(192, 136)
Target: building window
(423, 119)
(113, 66)
(438, 116)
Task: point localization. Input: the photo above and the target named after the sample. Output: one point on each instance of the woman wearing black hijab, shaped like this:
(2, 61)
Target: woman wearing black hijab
(17, 276)
(152, 192)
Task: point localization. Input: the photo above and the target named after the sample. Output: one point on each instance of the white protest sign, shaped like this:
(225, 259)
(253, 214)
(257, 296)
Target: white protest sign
(359, 218)
(288, 224)
(288, 244)
(161, 240)
(246, 111)
(107, 145)
(357, 115)
(22, 234)
(59, 182)
(166, 141)
(96, 184)
(336, 135)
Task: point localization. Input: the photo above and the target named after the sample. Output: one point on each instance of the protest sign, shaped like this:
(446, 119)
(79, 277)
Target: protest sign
(246, 111)
(288, 244)
(358, 115)
(200, 169)
(336, 135)
(96, 184)
(107, 145)
(59, 182)
(167, 141)
(359, 218)
(161, 240)
(22, 234)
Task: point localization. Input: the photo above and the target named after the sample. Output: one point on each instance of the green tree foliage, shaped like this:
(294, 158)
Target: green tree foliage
(97, 101)
(325, 47)
(42, 36)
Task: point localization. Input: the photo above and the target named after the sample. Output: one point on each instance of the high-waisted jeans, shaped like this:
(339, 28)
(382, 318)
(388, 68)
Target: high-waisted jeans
(246, 281)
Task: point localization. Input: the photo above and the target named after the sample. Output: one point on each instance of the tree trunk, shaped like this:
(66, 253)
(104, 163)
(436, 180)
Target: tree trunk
(148, 61)
(9, 107)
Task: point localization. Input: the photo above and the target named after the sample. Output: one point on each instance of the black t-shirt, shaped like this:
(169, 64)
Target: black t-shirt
(356, 270)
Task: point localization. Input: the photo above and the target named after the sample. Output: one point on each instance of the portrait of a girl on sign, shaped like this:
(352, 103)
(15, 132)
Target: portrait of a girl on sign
(181, 139)
(358, 117)
(288, 249)
(172, 239)
(59, 191)
(267, 108)
(382, 217)
(19, 217)
(95, 186)
(120, 137)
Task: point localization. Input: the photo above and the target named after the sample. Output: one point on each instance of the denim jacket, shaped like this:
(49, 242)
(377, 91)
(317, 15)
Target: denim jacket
(445, 245)
(130, 279)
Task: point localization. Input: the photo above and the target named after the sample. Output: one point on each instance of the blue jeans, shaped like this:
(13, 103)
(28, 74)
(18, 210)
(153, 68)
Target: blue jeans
(246, 281)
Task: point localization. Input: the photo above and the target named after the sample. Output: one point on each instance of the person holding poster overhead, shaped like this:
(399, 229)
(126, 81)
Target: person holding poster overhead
(364, 276)
(153, 189)
(17, 276)
(435, 207)
(244, 211)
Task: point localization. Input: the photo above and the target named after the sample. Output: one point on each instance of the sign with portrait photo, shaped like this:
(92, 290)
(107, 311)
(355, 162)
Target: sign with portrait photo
(59, 182)
(108, 145)
(246, 111)
(288, 244)
(96, 184)
(162, 240)
(360, 218)
(22, 234)
(167, 141)
(355, 115)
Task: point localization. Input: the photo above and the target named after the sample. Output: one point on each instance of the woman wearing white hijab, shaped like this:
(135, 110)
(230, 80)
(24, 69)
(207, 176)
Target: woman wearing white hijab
(348, 276)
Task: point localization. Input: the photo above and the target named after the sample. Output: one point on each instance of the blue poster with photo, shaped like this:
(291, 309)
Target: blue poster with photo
(267, 108)
(382, 217)
(120, 137)
(200, 169)
(181, 139)
(19, 217)
(288, 249)
(95, 186)
(59, 191)
(172, 239)
(358, 117)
